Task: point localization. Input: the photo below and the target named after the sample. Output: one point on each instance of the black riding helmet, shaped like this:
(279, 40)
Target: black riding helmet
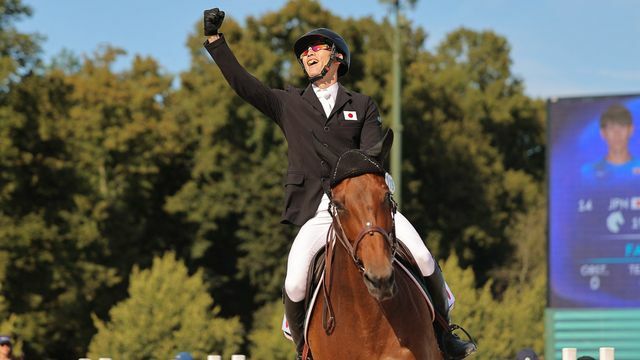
(330, 37)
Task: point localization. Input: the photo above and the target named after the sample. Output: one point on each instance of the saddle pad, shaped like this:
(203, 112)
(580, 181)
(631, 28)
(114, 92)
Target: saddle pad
(314, 298)
(285, 324)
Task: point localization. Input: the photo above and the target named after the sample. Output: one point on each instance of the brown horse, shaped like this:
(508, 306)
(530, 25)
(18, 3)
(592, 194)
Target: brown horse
(371, 308)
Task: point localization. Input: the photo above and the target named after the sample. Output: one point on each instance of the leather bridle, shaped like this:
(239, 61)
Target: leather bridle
(369, 229)
(336, 231)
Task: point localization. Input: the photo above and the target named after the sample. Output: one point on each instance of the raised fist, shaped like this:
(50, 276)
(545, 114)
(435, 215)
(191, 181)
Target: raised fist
(212, 21)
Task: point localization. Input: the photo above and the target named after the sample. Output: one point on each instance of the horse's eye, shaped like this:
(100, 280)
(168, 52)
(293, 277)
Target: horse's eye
(388, 199)
(339, 206)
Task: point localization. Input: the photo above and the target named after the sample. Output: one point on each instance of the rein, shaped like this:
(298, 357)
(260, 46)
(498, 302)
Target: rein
(328, 315)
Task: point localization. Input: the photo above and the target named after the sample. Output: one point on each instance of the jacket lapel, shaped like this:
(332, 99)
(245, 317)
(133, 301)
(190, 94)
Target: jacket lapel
(344, 96)
(310, 96)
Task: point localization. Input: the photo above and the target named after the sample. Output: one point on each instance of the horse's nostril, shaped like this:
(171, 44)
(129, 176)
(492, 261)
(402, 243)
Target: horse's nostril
(381, 288)
(374, 280)
(389, 282)
(379, 282)
(368, 278)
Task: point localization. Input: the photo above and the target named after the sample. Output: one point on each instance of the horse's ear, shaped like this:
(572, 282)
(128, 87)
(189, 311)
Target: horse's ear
(381, 149)
(323, 151)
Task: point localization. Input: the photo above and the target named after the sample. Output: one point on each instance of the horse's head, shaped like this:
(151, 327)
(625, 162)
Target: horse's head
(363, 210)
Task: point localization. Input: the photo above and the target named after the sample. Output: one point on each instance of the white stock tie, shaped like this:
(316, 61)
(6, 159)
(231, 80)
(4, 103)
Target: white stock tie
(325, 100)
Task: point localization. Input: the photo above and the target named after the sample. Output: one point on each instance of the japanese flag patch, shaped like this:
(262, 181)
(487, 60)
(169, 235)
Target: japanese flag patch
(350, 115)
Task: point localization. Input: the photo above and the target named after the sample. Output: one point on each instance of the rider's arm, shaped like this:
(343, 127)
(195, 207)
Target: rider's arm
(244, 84)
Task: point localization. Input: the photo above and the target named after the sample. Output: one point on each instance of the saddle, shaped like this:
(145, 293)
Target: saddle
(316, 269)
(403, 260)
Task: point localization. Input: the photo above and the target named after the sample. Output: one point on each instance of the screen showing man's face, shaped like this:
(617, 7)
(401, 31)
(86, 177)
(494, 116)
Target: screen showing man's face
(616, 136)
(594, 202)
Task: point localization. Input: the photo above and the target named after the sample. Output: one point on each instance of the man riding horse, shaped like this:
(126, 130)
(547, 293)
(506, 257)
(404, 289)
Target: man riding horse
(342, 119)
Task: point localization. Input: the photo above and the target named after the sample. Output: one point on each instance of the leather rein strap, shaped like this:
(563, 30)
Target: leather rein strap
(328, 315)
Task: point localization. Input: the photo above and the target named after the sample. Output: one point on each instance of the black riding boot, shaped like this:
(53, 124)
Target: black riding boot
(295, 312)
(451, 345)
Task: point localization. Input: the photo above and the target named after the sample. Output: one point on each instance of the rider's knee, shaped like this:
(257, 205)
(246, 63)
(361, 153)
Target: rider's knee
(295, 289)
(426, 263)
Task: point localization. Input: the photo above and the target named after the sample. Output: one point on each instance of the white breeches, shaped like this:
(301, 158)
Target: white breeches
(313, 235)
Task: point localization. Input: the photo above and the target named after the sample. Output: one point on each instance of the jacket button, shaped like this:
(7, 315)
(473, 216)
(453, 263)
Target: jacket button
(322, 162)
(325, 145)
(326, 129)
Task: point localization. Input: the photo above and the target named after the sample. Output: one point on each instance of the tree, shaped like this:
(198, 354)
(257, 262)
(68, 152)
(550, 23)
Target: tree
(167, 311)
(502, 325)
(266, 338)
(8, 326)
(44, 277)
(476, 143)
(18, 51)
(81, 181)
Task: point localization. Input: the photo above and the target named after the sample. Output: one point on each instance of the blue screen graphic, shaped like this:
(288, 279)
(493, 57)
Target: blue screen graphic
(594, 203)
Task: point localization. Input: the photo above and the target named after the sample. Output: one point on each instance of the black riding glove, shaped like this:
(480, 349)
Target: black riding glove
(212, 21)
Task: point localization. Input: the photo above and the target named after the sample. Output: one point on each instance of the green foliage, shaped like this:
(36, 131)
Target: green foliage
(473, 305)
(8, 323)
(517, 321)
(17, 50)
(167, 312)
(473, 145)
(524, 299)
(267, 340)
(529, 241)
(80, 154)
(500, 326)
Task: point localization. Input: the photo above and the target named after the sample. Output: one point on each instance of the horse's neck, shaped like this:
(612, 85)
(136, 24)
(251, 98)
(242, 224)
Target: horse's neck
(349, 289)
(348, 284)
(344, 264)
(365, 328)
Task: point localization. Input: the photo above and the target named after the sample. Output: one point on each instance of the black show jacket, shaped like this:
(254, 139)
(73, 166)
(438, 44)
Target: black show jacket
(354, 122)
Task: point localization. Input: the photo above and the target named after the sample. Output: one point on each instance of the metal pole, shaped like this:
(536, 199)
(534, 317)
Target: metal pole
(396, 150)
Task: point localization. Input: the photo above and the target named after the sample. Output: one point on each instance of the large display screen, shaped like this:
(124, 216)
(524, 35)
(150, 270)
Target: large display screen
(594, 202)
